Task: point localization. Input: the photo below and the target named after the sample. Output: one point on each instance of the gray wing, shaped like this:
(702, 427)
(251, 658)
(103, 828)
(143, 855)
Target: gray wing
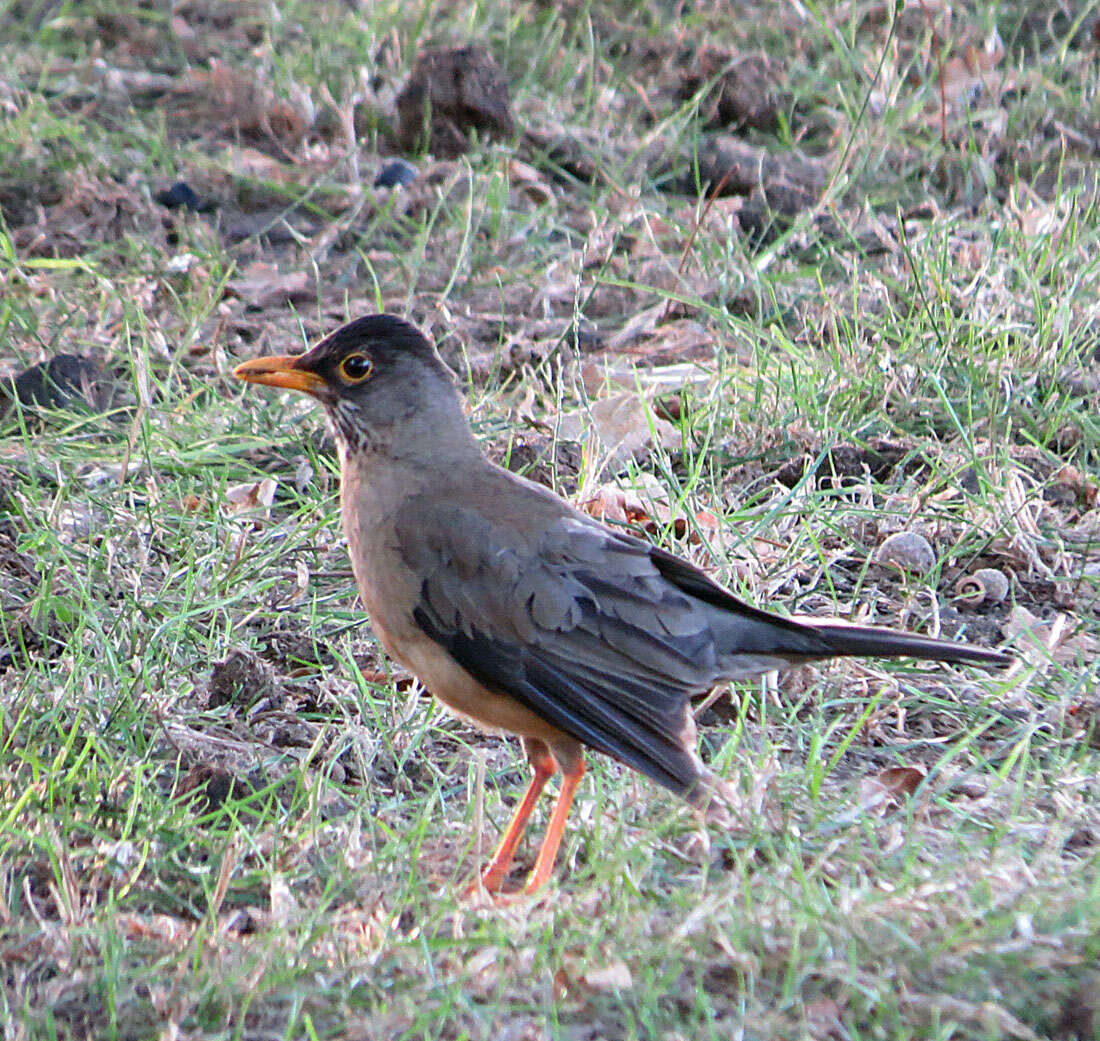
(576, 623)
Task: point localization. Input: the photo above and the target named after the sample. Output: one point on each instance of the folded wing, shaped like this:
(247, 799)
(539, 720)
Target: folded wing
(577, 624)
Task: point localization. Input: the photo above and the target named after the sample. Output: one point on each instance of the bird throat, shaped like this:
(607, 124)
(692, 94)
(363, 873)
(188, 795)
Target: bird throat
(351, 434)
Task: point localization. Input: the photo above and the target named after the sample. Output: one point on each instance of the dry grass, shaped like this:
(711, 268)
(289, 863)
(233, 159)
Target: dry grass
(897, 330)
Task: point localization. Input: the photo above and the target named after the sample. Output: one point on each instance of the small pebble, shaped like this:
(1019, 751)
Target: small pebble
(908, 551)
(985, 586)
(583, 338)
(397, 173)
(994, 582)
(181, 196)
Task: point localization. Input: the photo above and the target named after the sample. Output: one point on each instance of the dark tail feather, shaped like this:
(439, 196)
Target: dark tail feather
(869, 642)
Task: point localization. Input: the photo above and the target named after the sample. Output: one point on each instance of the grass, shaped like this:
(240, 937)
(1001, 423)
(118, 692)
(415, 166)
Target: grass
(224, 815)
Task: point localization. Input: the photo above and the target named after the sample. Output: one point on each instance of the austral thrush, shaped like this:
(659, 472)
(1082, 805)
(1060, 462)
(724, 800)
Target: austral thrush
(520, 612)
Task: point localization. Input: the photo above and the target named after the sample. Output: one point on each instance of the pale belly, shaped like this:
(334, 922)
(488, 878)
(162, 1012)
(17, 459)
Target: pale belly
(387, 594)
(466, 697)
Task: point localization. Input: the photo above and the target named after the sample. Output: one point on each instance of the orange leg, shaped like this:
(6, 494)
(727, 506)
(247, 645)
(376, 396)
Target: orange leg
(570, 778)
(492, 878)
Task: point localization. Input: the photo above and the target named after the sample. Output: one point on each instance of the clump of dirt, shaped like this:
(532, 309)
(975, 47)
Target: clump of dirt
(298, 651)
(546, 460)
(242, 680)
(209, 786)
(92, 211)
(63, 381)
(449, 93)
(743, 89)
(847, 464)
(23, 191)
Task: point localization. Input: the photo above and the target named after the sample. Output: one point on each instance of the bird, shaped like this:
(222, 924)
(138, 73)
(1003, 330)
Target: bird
(522, 613)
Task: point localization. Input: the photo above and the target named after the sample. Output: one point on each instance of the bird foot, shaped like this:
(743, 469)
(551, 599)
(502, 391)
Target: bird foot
(484, 893)
(695, 845)
(719, 804)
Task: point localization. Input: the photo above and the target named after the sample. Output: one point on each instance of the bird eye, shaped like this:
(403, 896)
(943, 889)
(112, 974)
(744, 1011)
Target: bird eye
(356, 367)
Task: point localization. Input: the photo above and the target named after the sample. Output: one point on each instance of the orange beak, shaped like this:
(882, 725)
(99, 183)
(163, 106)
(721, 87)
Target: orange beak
(282, 370)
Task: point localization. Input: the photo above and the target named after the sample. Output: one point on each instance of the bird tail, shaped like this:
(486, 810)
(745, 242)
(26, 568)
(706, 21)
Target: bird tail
(848, 640)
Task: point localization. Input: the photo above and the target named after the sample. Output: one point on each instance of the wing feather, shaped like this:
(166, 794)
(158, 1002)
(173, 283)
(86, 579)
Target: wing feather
(611, 658)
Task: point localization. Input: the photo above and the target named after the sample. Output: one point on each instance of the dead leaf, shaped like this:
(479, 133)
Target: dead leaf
(1083, 646)
(646, 503)
(241, 498)
(641, 324)
(1083, 486)
(600, 374)
(161, 928)
(527, 180)
(76, 522)
(623, 423)
(614, 504)
(888, 786)
(262, 285)
(995, 1021)
(1040, 640)
(684, 338)
(823, 1018)
(284, 906)
(967, 76)
(614, 976)
(562, 985)
(1039, 218)
(251, 162)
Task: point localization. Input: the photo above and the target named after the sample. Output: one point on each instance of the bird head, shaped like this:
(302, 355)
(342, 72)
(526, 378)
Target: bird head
(379, 379)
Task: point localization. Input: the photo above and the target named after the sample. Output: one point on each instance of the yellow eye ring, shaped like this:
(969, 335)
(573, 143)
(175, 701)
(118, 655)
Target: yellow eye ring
(355, 368)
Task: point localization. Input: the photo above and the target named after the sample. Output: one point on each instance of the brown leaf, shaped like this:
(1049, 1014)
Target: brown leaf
(622, 423)
(888, 786)
(527, 180)
(706, 520)
(614, 976)
(645, 503)
(161, 928)
(611, 503)
(684, 338)
(1083, 486)
(243, 497)
(562, 985)
(823, 1018)
(642, 323)
(251, 162)
(1059, 638)
(965, 76)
